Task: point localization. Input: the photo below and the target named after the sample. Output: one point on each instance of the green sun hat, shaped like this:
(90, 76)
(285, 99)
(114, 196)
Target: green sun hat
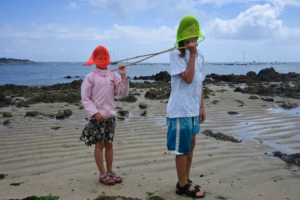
(189, 27)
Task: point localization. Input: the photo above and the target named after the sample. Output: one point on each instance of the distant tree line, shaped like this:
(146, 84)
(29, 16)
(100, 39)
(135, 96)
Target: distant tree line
(12, 59)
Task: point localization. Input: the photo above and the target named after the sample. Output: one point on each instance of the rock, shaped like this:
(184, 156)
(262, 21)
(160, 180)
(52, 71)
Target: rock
(143, 105)
(6, 122)
(22, 103)
(222, 90)
(129, 98)
(239, 101)
(32, 113)
(104, 197)
(292, 159)
(238, 89)
(143, 113)
(120, 117)
(55, 128)
(233, 113)
(68, 112)
(156, 198)
(251, 75)
(151, 94)
(7, 114)
(268, 74)
(161, 76)
(60, 114)
(68, 77)
(52, 115)
(268, 99)
(3, 100)
(220, 136)
(123, 112)
(2, 176)
(67, 92)
(215, 102)
(253, 97)
(289, 105)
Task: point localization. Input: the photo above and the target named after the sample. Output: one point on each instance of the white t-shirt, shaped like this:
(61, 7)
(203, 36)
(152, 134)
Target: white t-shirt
(185, 99)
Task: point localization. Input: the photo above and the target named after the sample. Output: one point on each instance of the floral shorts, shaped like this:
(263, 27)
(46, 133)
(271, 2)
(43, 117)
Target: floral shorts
(96, 131)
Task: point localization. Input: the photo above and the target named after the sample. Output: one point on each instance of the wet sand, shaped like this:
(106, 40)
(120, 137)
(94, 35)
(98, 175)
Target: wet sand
(56, 162)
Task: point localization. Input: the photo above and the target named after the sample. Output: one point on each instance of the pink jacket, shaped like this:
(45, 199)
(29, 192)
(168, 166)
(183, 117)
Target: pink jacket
(97, 92)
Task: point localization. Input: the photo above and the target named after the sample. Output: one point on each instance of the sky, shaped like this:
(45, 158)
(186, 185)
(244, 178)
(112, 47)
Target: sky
(69, 31)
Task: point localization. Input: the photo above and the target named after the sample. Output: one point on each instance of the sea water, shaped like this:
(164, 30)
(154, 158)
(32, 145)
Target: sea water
(49, 73)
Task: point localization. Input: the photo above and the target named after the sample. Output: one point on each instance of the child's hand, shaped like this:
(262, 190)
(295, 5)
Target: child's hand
(122, 71)
(202, 116)
(192, 47)
(99, 117)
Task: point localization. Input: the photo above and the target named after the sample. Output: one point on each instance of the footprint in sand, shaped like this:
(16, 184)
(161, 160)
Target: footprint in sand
(93, 191)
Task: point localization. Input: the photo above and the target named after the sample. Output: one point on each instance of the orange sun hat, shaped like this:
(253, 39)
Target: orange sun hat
(100, 56)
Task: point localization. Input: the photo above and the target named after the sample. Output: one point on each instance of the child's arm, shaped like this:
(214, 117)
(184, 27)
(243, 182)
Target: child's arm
(188, 74)
(202, 111)
(86, 97)
(122, 84)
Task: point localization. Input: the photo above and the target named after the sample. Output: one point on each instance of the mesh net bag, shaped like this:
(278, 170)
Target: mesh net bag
(189, 27)
(100, 56)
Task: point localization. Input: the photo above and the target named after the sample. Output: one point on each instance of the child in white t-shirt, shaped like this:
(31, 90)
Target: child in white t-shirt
(185, 110)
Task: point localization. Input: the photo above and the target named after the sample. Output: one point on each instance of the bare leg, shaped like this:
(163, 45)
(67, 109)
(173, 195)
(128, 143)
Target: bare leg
(190, 156)
(109, 153)
(181, 163)
(99, 157)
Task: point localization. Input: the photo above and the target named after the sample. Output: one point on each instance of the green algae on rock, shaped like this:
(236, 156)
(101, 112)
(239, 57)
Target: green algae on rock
(219, 136)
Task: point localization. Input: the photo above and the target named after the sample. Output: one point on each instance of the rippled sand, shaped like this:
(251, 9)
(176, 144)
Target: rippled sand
(57, 163)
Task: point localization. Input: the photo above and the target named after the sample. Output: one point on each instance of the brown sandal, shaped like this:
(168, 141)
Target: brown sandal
(106, 179)
(116, 178)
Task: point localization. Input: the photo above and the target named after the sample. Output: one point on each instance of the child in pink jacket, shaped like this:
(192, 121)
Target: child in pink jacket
(97, 95)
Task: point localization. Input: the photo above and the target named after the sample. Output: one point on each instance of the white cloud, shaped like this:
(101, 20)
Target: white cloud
(135, 34)
(72, 6)
(178, 10)
(123, 8)
(175, 9)
(256, 23)
(274, 2)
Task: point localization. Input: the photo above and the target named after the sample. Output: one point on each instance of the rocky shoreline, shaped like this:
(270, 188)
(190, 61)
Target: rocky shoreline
(267, 84)
(12, 61)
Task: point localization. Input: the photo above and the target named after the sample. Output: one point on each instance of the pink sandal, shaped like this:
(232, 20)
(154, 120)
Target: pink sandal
(106, 179)
(114, 176)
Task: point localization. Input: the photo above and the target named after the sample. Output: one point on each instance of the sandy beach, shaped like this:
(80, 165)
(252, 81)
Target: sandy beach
(47, 161)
